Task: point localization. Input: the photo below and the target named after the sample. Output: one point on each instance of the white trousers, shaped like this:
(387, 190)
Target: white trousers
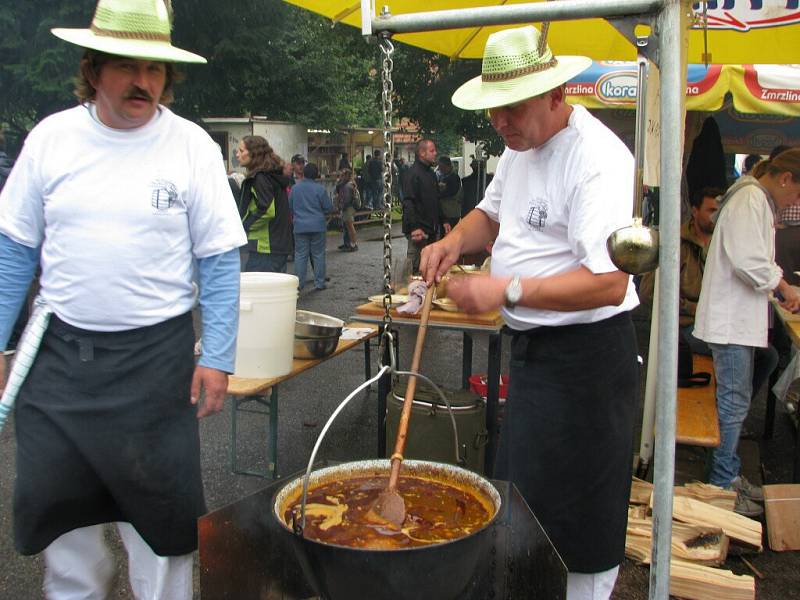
(79, 566)
(591, 586)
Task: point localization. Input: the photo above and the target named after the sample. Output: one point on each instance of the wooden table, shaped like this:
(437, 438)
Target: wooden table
(490, 323)
(264, 393)
(697, 421)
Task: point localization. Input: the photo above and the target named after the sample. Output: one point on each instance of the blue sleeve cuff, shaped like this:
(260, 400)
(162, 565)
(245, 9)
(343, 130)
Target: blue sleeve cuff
(219, 303)
(17, 266)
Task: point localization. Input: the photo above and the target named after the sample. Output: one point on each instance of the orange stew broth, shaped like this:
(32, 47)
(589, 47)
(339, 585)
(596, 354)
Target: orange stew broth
(435, 512)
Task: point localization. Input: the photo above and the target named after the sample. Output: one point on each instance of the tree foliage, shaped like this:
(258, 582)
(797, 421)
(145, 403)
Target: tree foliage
(425, 82)
(265, 58)
(37, 69)
(272, 59)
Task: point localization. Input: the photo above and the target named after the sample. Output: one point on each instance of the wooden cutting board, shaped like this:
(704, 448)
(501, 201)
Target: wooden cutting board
(782, 505)
(491, 319)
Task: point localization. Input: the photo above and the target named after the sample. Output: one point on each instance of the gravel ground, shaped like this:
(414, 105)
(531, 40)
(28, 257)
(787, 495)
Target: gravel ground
(306, 401)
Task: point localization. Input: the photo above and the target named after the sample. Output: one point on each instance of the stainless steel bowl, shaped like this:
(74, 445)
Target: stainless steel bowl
(309, 324)
(315, 347)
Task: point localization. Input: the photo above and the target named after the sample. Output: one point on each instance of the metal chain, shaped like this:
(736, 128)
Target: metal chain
(387, 88)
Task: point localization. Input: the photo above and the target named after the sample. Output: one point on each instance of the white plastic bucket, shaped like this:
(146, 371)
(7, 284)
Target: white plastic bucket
(267, 307)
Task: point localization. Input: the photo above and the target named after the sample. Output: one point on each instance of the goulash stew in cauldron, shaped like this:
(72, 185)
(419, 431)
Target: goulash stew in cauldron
(436, 511)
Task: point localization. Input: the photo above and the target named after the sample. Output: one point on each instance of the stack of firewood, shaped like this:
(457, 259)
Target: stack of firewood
(704, 529)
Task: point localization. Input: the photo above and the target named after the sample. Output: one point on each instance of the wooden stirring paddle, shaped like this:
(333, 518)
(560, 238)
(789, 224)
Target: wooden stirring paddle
(390, 507)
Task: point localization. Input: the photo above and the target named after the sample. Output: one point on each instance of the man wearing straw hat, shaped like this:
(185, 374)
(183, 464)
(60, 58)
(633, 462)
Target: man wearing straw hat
(562, 185)
(118, 199)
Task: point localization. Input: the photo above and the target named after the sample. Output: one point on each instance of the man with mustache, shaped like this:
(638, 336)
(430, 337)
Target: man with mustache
(124, 205)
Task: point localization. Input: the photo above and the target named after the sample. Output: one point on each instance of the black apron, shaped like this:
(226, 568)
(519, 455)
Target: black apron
(567, 436)
(105, 432)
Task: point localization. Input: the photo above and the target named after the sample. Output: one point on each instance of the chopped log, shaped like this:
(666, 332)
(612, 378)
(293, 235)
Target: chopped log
(638, 548)
(708, 493)
(705, 492)
(638, 511)
(698, 582)
(641, 491)
(705, 545)
(737, 527)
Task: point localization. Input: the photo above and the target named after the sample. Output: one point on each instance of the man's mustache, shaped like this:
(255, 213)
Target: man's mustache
(136, 93)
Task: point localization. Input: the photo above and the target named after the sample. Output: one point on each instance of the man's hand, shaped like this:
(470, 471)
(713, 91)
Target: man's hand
(447, 227)
(215, 385)
(791, 298)
(437, 258)
(477, 293)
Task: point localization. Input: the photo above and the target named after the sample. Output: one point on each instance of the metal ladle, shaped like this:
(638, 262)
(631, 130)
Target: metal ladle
(634, 249)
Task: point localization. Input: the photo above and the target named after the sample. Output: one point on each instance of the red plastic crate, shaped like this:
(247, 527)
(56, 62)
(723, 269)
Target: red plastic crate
(477, 383)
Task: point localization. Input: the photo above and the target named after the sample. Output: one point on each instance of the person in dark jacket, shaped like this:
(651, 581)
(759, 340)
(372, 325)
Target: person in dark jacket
(450, 195)
(374, 185)
(264, 206)
(309, 203)
(347, 196)
(421, 202)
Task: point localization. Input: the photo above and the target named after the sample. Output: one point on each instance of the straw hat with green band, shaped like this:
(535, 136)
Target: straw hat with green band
(517, 65)
(132, 28)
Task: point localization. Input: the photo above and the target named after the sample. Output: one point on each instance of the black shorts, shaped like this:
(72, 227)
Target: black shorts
(106, 432)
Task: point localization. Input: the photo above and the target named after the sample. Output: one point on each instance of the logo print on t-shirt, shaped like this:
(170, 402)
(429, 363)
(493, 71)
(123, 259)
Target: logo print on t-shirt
(164, 195)
(536, 218)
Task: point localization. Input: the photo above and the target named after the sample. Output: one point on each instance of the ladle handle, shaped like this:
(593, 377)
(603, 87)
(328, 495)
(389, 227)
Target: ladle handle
(405, 415)
(638, 145)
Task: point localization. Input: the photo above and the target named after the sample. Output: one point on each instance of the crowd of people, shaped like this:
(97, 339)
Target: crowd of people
(285, 211)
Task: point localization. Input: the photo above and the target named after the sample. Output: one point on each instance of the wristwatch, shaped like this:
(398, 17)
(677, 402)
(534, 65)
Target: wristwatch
(513, 292)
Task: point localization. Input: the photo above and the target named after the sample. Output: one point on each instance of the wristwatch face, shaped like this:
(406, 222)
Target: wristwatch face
(513, 292)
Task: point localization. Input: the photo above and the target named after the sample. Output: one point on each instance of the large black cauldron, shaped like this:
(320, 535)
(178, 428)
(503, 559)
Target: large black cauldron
(441, 571)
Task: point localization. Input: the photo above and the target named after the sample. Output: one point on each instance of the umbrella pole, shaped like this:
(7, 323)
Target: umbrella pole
(671, 51)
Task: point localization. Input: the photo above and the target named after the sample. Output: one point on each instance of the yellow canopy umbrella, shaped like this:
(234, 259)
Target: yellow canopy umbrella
(773, 31)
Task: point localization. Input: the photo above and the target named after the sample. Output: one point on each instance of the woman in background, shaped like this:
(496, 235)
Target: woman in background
(264, 206)
(733, 310)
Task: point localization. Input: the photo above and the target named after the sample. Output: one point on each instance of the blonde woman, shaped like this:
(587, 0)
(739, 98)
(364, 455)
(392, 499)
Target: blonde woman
(733, 309)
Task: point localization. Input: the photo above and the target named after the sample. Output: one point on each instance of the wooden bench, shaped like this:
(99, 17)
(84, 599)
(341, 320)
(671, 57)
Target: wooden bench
(697, 422)
(373, 216)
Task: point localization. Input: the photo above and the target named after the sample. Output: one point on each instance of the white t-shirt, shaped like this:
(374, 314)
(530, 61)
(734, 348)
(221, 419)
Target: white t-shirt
(556, 205)
(120, 215)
